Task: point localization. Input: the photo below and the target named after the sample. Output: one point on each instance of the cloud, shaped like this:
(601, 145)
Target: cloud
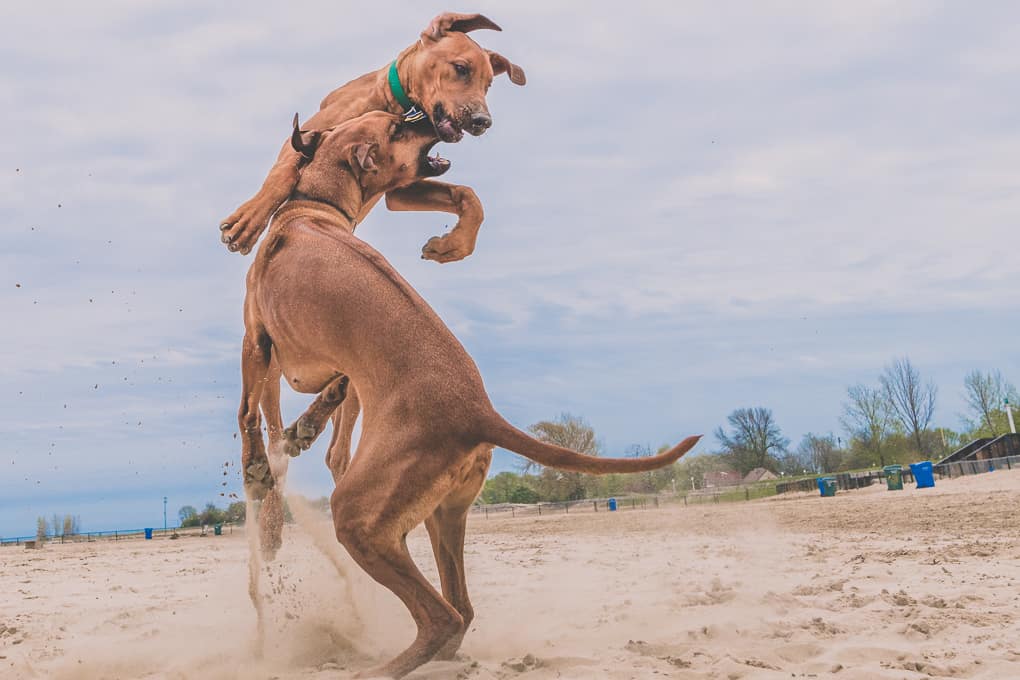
(688, 210)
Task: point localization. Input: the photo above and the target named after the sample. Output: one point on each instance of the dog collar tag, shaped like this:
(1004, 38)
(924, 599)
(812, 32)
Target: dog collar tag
(412, 114)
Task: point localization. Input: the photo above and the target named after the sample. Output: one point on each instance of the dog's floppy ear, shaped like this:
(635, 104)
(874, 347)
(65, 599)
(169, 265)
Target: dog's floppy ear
(304, 141)
(452, 22)
(501, 64)
(361, 155)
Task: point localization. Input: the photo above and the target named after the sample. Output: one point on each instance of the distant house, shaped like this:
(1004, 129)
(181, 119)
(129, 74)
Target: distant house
(758, 475)
(722, 478)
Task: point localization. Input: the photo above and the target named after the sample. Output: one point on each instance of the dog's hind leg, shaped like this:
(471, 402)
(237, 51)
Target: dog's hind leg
(310, 424)
(258, 480)
(270, 513)
(387, 491)
(338, 456)
(255, 354)
(270, 404)
(446, 527)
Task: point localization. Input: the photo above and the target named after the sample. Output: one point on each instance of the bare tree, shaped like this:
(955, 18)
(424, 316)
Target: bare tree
(868, 418)
(985, 393)
(754, 441)
(821, 452)
(70, 524)
(570, 432)
(911, 402)
(41, 529)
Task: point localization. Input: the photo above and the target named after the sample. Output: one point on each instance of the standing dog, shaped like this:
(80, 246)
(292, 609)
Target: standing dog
(330, 308)
(444, 78)
(378, 152)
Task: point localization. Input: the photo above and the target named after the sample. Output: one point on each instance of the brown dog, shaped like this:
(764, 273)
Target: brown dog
(329, 308)
(356, 163)
(445, 75)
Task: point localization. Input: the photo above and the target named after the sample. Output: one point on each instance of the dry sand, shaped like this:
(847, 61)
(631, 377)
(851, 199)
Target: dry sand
(869, 584)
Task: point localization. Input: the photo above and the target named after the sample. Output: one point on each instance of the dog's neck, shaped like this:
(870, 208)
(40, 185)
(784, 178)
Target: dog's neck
(384, 93)
(318, 211)
(345, 198)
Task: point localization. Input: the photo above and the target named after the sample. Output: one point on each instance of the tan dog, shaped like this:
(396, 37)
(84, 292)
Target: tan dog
(445, 75)
(376, 152)
(329, 308)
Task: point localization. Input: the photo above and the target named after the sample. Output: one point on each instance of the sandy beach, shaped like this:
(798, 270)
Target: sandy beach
(869, 584)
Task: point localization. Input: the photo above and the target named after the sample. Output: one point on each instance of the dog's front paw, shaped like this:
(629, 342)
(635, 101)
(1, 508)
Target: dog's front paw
(299, 437)
(242, 229)
(449, 248)
(257, 479)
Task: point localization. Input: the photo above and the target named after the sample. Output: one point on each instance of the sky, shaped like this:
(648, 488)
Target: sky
(690, 208)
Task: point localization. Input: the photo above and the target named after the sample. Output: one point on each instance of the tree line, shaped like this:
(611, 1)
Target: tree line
(889, 421)
(57, 526)
(189, 516)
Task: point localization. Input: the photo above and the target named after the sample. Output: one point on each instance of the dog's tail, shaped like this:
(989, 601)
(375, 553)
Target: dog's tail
(509, 437)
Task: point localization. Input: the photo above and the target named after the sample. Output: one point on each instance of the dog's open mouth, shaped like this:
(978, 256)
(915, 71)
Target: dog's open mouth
(432, 166)
(447, 128)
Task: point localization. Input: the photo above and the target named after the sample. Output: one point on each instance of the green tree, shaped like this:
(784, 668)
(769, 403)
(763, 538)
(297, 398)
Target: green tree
(41, 529)
(570, 432)
(986, 394)
(499, 488)
(523, 494)
(235, 513)
(188, 516)
(211, 515)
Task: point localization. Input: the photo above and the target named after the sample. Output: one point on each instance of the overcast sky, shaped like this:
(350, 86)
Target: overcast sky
(690, 208)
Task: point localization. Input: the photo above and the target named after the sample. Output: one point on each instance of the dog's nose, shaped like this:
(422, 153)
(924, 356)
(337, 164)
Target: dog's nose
(481, 121)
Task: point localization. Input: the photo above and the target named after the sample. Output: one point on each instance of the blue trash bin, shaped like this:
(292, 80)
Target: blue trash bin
(827, 486)
(612, 505)
(924, 474)
(148, 534)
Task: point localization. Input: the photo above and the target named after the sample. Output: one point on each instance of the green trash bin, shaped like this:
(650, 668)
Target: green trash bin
(217, 529)
(827, 486)
(893, 477)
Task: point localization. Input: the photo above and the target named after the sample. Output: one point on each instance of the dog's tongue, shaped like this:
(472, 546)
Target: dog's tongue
(448, 131)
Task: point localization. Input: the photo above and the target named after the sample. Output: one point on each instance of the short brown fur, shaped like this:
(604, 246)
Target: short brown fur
(455, 103)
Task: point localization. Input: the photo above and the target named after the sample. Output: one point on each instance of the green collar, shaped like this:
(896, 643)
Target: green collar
(411, 113)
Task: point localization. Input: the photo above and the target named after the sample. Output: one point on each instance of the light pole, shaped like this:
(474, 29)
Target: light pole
(1009, 414)
(164, 514)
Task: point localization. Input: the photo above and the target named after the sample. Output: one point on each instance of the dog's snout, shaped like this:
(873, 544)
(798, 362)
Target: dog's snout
(481, 121)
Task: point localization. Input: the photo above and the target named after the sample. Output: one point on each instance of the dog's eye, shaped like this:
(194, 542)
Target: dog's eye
(461, 69)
